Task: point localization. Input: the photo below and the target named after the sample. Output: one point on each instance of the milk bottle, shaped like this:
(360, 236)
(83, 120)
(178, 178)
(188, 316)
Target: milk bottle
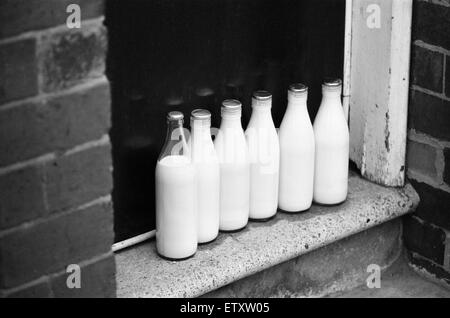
(332, 147)
(207, 175)
(264, 151)
(231, 148)
(296, 153)
(176, 222)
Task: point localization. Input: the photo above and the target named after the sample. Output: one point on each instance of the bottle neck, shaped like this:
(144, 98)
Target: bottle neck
(175, 143)
(331, 94)
(200, 128)
(261, 110)
(231, 121)
(173, 127)
(297, 101)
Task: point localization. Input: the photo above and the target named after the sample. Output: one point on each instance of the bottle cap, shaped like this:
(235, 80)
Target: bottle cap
(332, 82)
(298, 88)
(262, 95)
(231, 106)
(175, 115)
(200, 114)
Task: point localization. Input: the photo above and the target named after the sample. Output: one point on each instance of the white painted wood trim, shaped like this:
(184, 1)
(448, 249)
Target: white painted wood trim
(347, 56)
(378, 89)
(399, 90)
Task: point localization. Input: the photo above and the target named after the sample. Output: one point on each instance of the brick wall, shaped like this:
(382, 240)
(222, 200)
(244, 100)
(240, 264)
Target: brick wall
(55, 158)
(428, 156)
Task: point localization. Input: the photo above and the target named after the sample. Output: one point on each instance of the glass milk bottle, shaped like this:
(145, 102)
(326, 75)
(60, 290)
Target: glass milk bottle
(332, 147)
(176, 222)
(207, 174)
(231, 148)
(296, 153)
(264, 151)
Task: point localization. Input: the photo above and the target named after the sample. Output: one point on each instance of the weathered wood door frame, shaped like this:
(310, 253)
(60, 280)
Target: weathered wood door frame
(376, 81)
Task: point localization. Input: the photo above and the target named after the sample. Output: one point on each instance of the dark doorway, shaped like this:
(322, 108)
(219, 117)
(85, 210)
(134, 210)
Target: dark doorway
(183, 54)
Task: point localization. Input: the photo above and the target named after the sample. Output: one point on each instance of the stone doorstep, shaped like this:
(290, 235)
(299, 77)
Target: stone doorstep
(261, 246)
(338, 267)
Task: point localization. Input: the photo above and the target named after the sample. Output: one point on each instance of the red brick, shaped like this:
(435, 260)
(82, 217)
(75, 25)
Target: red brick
(446, 175)
(431, 23)
(97, 280)
(421, 158)
(49, 246)
(429, 114)
(33, 129)
(17, 16)
(18, 69)
(78, 178)
(73, 56)
(21, 196)
(434, 206)
(447, 76)
(427, 69)
(423, 263)
(424, 239)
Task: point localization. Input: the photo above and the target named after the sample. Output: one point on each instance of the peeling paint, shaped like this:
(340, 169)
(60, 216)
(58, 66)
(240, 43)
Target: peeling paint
(379, 98)
(387, 133)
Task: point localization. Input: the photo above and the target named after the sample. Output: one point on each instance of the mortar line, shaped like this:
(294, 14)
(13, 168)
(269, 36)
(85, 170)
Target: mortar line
(430, 92)
(51, 30)
(47, 277)
(419, 177)
(52, 216)
(91, 83)
(427, 139)
(102, 141)
(431, 47)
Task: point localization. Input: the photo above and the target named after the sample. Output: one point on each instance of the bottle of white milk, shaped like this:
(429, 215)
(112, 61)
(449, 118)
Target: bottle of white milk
(176, 218)
(264, 151)
(297, 150)
(332, 147)
(207, 174)
(231, 148)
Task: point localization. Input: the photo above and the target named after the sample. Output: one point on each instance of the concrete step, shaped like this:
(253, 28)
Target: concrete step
(399, 281)
(340, 266)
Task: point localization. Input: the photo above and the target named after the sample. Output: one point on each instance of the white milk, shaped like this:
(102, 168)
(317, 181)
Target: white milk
(207, 174)
(176, 228)
(332, 147)
(264, 151)
(231, 148)
(297, 150)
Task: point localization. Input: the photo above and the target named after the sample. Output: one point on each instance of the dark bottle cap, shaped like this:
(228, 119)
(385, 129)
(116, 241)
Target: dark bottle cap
(231, 105)
(262, 95)
(332, 82)
(175, 115)
(298, 88)
(200, 114)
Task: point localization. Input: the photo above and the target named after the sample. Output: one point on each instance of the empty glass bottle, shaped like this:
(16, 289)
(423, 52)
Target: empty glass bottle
(176, 222)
